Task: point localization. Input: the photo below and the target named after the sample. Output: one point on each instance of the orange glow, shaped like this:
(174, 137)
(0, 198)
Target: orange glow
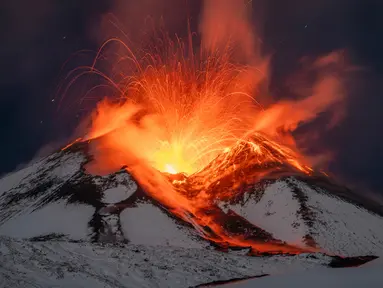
(198, 118)
(189, 129)
(178, 114)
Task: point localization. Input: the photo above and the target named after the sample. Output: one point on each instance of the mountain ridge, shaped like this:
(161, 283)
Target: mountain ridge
(284, 209)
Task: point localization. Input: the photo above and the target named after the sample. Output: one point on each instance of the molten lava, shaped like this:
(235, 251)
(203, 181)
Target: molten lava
(180, 112)
(189, 129)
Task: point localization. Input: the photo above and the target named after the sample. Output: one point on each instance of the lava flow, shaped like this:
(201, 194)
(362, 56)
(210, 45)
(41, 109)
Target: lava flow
(189, 129)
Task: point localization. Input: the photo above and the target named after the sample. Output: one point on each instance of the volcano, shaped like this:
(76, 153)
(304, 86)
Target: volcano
(258, 201)
(272, 204)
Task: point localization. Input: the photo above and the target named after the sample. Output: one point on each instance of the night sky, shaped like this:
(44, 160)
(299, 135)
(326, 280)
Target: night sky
(36, 40)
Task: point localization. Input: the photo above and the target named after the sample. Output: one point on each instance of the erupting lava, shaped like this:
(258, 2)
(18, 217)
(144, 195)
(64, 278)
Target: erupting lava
(189, 129)
(181, 110)
(193, 116)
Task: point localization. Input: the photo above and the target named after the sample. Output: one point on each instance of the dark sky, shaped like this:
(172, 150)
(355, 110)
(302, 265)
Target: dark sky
(37, 38)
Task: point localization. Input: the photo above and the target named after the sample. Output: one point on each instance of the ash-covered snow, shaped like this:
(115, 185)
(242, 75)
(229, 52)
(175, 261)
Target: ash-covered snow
(294, 212)
(54, 218)
(69, 164)
(117, 194)
(59, 166)
(343, 228)
(148, 225)
(65, 264)
(368, 275)
(30, 205)
(22, 192)
(275, 212)
(56, 199)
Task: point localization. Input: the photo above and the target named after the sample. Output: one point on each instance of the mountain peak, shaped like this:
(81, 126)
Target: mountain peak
(57, 198)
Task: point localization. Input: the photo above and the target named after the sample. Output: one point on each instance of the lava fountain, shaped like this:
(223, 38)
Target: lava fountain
(187, 125)
(180, 112)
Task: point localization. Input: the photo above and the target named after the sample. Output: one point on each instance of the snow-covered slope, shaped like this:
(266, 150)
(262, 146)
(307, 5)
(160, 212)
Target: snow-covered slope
(62, 227)
(64, 264)
(369, 275)
(56, 198)
(38, 202)
(295, 212)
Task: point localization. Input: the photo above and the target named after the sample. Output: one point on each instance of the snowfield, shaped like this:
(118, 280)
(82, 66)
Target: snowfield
(65, 264)
(62, 227)
(148, 225)
(343, 228)
(57, 218)
(369, 275)
(58, 166)
(276, 212)
(333, 224)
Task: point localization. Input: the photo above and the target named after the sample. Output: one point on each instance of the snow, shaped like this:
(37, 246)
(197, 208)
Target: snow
(338, 227)
(276, 212)
(369, 275)
(161, 251)
(71, 220)
(25, 218)
(117, 194)
(59, 166)
(65, 264)
(343, 228)
(13, 179)
(69, 165)
(149, 225)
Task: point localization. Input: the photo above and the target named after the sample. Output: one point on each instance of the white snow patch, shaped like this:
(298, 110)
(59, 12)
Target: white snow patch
(148, 225)
(119, 193)
(276, 212)
(58, 217)
(364, 276)
(343, 228)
